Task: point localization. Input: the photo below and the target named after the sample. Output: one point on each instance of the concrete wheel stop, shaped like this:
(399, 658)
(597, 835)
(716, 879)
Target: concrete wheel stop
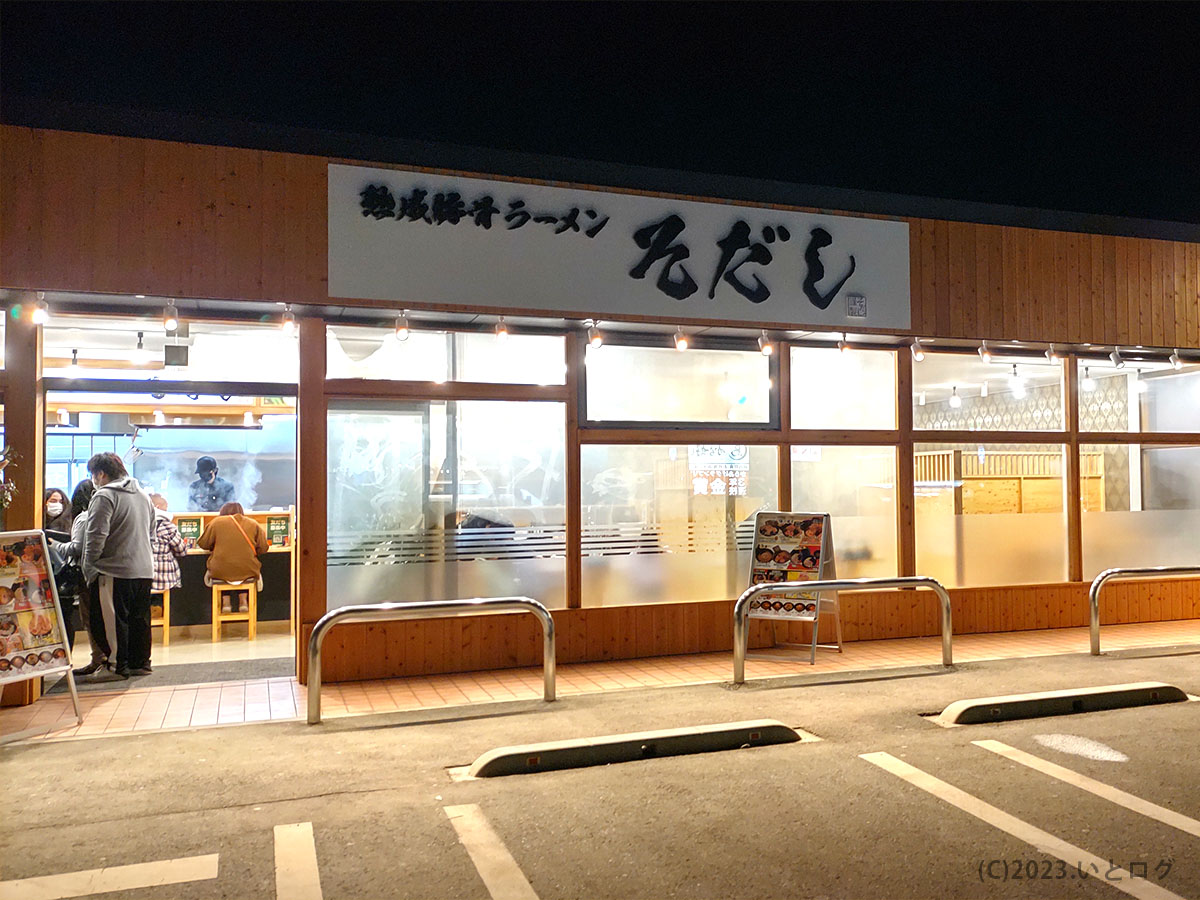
(1058, 703)
(616, 748)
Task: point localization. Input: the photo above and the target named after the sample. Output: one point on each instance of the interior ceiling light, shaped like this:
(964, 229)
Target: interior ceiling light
(955, 400)
(1088, 383)
(288, 322)
(984, 353)
(842, 345)
(170, 317)
(681, 341)
(141, 356)
(1139, 383)
(1175, 361)
(921, 399)
(402, 330)
(594, 337)
(248, 419)
(983, 388)
(1017, 383)
(918, 352)
(1052, 355)
(1115, 356)
(41, 310)
(74, 367)
(765, 347)
(501, 329)
(64, 417)
(159, 417)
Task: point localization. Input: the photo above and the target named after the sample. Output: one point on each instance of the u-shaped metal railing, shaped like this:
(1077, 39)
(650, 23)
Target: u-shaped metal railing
(392, 612)
(741, 609)
(1127, 575)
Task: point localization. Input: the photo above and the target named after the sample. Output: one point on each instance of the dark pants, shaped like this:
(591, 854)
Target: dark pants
(122, 607)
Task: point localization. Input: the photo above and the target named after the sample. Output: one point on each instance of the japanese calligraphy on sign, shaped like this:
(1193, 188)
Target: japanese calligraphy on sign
(411, 237)
(719, 469)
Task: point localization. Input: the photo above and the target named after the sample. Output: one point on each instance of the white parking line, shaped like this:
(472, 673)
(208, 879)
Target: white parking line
(499, 871)
(1020, 829)
(296, 874)
(1099, 788)
(112, 878)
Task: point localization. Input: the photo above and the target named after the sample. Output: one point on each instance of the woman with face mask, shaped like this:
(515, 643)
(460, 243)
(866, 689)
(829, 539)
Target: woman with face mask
(56, 511)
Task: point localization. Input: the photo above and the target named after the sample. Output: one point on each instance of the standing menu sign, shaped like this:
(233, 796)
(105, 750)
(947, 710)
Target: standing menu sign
(189, 529)
(790, 547)
(33, 642)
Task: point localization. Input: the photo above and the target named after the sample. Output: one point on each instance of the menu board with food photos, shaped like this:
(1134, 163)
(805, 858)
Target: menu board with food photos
(790, 547)
(32, 642)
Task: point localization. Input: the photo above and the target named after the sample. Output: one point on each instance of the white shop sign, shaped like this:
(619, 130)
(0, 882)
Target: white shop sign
(414, 238)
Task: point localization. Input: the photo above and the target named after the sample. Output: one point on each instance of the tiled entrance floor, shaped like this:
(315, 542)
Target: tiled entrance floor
(267, 699)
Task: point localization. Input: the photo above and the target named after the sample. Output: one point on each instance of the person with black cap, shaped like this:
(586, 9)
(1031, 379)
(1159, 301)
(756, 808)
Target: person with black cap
(209, 492)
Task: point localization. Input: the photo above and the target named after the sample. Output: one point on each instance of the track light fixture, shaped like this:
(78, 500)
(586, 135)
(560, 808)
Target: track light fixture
(984, 353)
(402, 330)
(1017, 384)
(983, 388)
(765, 347)
(1115, 356)
(918, 352)
(73, 369)
(288, 322)
(1175, 361)
(1052, 355)
(594, 337)
(842, 345)
(501, 330)
(681, 341)
(1088, 383)
(955, 400)
(141, 356)
(41, 310)
(170, 317)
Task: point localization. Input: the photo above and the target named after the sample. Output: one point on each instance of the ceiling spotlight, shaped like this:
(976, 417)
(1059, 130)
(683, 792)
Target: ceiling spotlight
(141, 356)
(1175, 361)
(918, 352)
(160, 417)
(921, 399)
(402, 331)
(594, 337)
(1017, 384)
(842, 345)
(983, 388)
(681, 341)
(1115, 356)
(1052, 355)
(73, 369)
(64, 417)
(1088, 383)
(41, 310)
(765, 347)
(984, 353)
(501, 330)
(955, 400)
(288, 322)
(170, 317)
(1140, 384)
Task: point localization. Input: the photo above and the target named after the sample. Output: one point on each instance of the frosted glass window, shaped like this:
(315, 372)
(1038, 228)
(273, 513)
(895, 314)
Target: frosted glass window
(671, 523)
(1141, 396)
(961, 392)
(651, 384)
(990, 514)
(443, 500)
(1141, 506)
(843, 389)
(857, 486)
(438, 356)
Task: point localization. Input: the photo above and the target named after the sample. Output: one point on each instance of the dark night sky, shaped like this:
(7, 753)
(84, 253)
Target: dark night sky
(1084, 107)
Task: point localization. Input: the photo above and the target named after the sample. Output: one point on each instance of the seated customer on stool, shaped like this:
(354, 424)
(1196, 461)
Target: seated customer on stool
(236, 542)
(167, 544)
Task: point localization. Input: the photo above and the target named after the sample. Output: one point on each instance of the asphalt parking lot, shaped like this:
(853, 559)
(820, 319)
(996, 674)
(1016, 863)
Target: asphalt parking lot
(885, 805)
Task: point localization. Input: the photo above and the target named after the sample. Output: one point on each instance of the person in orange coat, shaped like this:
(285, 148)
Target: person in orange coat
(236, 541)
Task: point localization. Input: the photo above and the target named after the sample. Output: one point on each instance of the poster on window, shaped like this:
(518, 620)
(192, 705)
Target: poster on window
(32, 640)
(790, 547)
(717, 469)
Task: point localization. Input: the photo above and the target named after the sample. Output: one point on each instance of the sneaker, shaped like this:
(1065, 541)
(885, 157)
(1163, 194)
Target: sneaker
(90, 669)
(140, 670)
(106, 673)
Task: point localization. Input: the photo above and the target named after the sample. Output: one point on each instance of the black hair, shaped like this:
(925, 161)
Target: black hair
(108, 464)
(82, 498)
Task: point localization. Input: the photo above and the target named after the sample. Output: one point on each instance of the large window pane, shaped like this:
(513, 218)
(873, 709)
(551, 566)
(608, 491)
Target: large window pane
(445, 500)
(651, 384)
(671, 523)
(438, 356)
(990, 514)
(857, 486)
(1141, 506)
(843, 389)
(961, 392)
(1140, 396)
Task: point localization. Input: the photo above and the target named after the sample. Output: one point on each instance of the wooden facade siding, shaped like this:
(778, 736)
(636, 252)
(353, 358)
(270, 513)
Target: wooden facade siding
(104, 214)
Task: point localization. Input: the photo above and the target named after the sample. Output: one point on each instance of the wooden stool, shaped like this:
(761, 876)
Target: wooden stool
(165, 619)
(250, 617)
